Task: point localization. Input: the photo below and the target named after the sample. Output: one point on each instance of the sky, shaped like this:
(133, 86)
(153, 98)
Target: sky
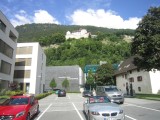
(118, 14)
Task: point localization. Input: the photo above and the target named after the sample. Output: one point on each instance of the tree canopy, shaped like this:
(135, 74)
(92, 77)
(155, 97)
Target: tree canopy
(53, 83)
(65, 83)
(104, 74)
(146, 43)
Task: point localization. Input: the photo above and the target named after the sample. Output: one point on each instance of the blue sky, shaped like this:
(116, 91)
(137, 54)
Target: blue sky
(101, 13)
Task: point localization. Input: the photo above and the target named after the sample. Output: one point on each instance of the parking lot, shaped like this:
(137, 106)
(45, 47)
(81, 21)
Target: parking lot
(71, 108)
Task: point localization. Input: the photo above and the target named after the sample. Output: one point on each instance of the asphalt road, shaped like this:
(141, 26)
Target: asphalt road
(71, 106)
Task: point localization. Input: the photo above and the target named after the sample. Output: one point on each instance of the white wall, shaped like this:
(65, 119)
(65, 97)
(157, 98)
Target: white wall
(145, 84)
(37, 75)
(155, 81)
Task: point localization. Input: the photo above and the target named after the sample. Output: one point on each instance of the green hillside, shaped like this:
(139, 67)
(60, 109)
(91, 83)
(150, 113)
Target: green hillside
(110, 44)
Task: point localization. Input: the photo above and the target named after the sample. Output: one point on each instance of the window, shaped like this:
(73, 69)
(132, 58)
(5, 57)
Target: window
(131, 79)
(138, 69)
(23, 62)
(24, 50)
(139, 78)
(12, 36)
(2, 26)
(130, 71)
(139, 89)
(6, 49)
(5, 67)
(22, 74)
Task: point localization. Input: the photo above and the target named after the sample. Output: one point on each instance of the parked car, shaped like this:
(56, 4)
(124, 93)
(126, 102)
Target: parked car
(112, 92)
(87, 93)
(19, 107)
(101, 108)
(61, 93)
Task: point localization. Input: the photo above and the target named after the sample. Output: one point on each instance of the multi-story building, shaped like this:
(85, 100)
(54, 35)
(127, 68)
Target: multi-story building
(8, 40)
(30, 67)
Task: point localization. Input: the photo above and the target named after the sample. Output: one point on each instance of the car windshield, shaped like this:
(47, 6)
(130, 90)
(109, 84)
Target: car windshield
(16, 101)
(111, 89)
(98, 99)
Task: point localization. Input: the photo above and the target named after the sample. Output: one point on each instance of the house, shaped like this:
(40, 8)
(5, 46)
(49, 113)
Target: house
(72, 73)
(146, 82)
(8, 44)
(81, 33)
(30, 67)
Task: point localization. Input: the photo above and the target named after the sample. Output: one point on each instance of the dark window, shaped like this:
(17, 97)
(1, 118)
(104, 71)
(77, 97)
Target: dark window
(12, 36)
(5, 67)
(139, 89)
(131, 79)
(23, 62)
(130, 71)
(139, 78)
(22, 74)
(138, 69)
(6, 49)
(2, 26)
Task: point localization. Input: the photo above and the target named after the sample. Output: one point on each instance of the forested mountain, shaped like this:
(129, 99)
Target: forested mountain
(109, 45)
(32, 32)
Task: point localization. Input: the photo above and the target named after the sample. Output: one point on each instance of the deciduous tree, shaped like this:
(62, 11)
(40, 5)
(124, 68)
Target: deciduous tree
(146, 43)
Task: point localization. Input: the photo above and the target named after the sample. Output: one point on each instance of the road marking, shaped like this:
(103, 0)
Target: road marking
(77, 111)
(144, 107)
(44, 111)
(130, 117)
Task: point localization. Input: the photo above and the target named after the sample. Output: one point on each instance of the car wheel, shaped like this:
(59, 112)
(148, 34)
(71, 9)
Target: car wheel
(28, 117)
(37, 109)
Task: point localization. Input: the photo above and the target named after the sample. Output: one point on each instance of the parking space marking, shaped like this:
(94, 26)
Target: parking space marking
(144, 107)
(44, 111)
(77, 111)
(130, 117)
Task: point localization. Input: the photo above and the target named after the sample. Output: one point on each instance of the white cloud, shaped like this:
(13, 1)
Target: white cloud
(102, 18)
(40, 16)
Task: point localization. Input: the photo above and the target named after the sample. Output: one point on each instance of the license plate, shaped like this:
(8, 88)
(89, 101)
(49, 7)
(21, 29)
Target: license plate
(107, 118)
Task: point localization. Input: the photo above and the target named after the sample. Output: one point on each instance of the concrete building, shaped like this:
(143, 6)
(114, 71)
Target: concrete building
(30, 67)
(82, 33)
(141, 81)
(8, 40)
(73, 73)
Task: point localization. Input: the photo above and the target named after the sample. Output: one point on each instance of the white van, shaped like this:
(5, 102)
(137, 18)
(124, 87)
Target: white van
(112, 92)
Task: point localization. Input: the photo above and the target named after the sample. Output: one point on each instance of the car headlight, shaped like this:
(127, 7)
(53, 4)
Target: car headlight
(121, 112)
(20, 114)
(95, 113)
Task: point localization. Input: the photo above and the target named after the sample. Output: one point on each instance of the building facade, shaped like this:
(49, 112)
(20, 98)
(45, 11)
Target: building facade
(145, 82)
(8, 44)
(82, 33)
(73, 74)
(30, 67)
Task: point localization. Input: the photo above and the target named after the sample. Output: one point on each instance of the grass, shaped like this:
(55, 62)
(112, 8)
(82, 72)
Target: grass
(148, 96)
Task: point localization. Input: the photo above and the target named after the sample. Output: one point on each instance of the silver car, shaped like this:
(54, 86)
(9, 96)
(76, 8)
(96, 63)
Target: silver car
(101, 108)
(112, 92)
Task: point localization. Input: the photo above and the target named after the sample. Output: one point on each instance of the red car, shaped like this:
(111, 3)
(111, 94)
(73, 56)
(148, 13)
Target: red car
(19, 107)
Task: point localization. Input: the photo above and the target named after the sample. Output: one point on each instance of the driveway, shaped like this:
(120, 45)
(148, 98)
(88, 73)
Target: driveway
(71, 108)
